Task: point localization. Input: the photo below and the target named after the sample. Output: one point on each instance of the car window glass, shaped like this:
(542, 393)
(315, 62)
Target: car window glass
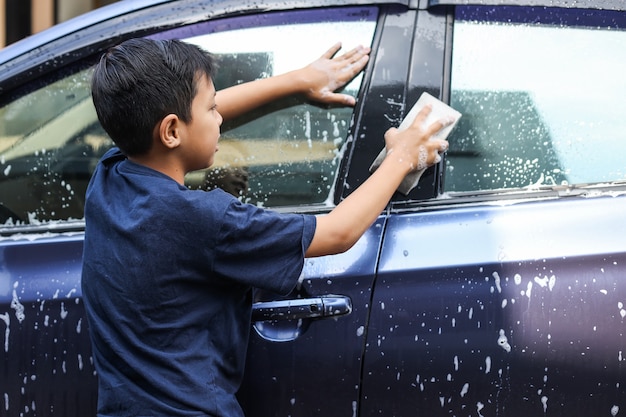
(542, 92)
(50, 141)
(286, 154)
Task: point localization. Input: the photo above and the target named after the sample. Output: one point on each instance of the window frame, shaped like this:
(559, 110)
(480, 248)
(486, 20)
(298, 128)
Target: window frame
(571, 18)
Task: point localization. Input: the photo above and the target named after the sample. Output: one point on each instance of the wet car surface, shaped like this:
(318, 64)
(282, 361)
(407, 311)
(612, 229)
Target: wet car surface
(495, 288)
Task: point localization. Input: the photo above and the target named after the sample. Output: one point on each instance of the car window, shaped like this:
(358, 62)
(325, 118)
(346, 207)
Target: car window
(288, 153)
(285, 154)
(50, 141)
(542, 92)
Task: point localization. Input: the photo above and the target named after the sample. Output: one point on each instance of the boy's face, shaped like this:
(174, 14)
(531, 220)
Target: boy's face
(203, 131)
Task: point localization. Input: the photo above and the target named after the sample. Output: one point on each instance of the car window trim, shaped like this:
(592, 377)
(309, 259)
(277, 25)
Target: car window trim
(618, 5)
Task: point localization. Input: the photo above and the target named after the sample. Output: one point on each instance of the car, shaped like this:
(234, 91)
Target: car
(496, 287)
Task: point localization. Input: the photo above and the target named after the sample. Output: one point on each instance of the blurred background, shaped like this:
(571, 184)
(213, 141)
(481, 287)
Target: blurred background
(20, 18)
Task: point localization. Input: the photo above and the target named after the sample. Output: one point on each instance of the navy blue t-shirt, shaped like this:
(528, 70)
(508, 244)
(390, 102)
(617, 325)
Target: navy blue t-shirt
(167, 277)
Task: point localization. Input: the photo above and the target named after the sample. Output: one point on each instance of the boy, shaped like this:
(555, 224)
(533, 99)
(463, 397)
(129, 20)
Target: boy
(168, 271)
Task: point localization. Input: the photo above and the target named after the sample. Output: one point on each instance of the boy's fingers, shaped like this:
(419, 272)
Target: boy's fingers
(356, 54)
(439, 145)
(422, 115)
(438, 125)
(332, 51)
(390, 133)
(354, 67)
(338, 98)
(352, 62)
(346, 56)
(347, 69)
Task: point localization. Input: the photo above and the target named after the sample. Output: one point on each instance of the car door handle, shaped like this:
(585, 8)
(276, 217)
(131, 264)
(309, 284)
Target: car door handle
(302, 308)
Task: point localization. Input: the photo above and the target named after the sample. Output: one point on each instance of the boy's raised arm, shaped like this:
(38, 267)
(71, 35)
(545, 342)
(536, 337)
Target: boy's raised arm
(318, 81)
(409, 150)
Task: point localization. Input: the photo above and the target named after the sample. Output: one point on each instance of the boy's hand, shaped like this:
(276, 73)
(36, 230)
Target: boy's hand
(414, 147)
(328, 73)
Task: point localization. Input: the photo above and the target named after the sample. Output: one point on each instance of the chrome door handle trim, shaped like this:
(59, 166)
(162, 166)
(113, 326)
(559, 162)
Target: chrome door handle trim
(302, 308)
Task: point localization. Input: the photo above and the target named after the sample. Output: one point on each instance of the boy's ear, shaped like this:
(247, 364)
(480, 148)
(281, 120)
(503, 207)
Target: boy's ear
(169, 131)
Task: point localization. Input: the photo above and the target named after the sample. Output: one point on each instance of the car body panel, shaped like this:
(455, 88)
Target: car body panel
(486, 309)
(322, 353)
(46, 354)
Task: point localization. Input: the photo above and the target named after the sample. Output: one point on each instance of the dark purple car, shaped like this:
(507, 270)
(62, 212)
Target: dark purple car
(497, 287)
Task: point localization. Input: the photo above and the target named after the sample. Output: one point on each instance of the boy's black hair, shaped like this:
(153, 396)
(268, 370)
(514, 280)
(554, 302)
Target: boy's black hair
(140, 81)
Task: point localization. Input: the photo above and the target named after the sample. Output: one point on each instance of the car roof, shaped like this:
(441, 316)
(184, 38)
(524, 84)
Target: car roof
(98, 29)
(221, 7)
(206, 8)
(577, 4)
(72, 25)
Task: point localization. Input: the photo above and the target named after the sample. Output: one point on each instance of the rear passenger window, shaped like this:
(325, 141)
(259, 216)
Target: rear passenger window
(283, 155)
(542, 92)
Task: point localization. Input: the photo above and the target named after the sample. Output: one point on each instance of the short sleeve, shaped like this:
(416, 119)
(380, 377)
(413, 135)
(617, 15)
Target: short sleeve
(262, 248)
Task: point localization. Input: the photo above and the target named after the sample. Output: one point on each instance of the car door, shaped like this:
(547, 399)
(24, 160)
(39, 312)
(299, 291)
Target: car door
(504, 295)
(291, 156)
(307, 345)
